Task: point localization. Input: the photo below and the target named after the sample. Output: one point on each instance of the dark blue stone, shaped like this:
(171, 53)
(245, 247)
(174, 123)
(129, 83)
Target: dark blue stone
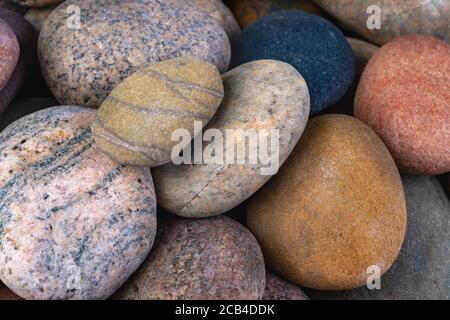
(314, 46)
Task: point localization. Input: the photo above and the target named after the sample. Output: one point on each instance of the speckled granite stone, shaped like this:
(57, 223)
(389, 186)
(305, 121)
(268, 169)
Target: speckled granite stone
(223, 16)
(73, 223)
(202, 259)
(37, 16)
(404, 95)
(398, 17)
(6, 294)
(263, 94)
(134, 125)
(311, 44)
(119, 37)
(14, 84)
(422, 270)
(36, 3)
(336, 207)
(279, 289)
(247, 11)
(9, 53)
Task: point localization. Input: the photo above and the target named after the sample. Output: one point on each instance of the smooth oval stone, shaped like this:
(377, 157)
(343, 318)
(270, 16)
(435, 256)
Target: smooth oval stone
(311, 44)
(118, 38)
(404, 95)
(397, 17)
(9, 53)
(36, 3)
(222, 15)
(73, 223)
(134, 125)
(6, 294)
(14, 85)
(262, 94)
(247, 11)
(203, 259)
(336, 208)
(37, 16)
(279, 289)
(422, 270)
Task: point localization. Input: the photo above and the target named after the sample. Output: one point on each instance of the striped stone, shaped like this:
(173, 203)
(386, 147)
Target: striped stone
(135, 123)
(73, 223)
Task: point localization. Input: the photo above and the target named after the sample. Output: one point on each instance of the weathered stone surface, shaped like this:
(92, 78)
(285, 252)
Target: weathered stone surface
(398, 17)
(279, 289)
(404, 95)
(117, 38)
(9, 53)
(73, 223)
(135, 123)
(261, 95)
(422, 270)
(203, 259)
(336, 208)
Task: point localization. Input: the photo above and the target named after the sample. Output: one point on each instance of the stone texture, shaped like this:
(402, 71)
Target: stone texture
(134, 125)
(6, 294)
(222, 15)
(73, 223)
(9, 53)
(14, 85)
(119, 37)
(311, 44)
(247, 11)
(279, 289)
(264, 94)
(36, 3)
(37, 16)
(203, 259)
(422, 270)
(336, 207)
(404, 95)
(398, 17)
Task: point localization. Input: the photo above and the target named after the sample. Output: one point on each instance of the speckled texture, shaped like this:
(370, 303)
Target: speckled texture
(279, 289)
(14, 85)
(203, 259)
(262, 94)
(311, 44)
(73, 223)
(404, 95)
(134, 125)
(336, 207)
(119, 37)
(247, 11)
(6, 294)
(223, 16)
(398, 17)
(9, 53)
(422, 270)
(36, 3)
(37, 16)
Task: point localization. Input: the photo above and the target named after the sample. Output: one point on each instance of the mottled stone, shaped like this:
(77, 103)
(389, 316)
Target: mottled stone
(247, 11)
(73, 223)
(14, 85)
(398, 17)
(311, 44)
(37, 16)
(9, 53)
(36, 3)
(422, 270)
(6, 294)
(134, 125)
(336, 208)
(404, 95)
(22, 107)
(203, 259)
(222, 15)
(279, 289)
(119, 37)
(263, 94)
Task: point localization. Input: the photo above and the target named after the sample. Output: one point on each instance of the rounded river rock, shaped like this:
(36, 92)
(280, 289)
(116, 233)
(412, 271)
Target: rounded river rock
(9, 53)
(279, 289)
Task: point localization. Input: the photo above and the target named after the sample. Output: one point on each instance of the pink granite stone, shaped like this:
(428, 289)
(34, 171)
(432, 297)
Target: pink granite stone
(9, 53)
(279, 289)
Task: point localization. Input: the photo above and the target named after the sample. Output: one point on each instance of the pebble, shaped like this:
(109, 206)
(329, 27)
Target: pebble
(336, 208)
(73, 223)
(9, 53)
(404, 95)
(248, 11)
(202, 259)
(117, 38)
(263, 94)
(6, 294)
(13, 86)
(311, 44)
(37, 16)
(134, 125)
(279, 289)
(397, 17)
(36, 3)
(421, 271)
